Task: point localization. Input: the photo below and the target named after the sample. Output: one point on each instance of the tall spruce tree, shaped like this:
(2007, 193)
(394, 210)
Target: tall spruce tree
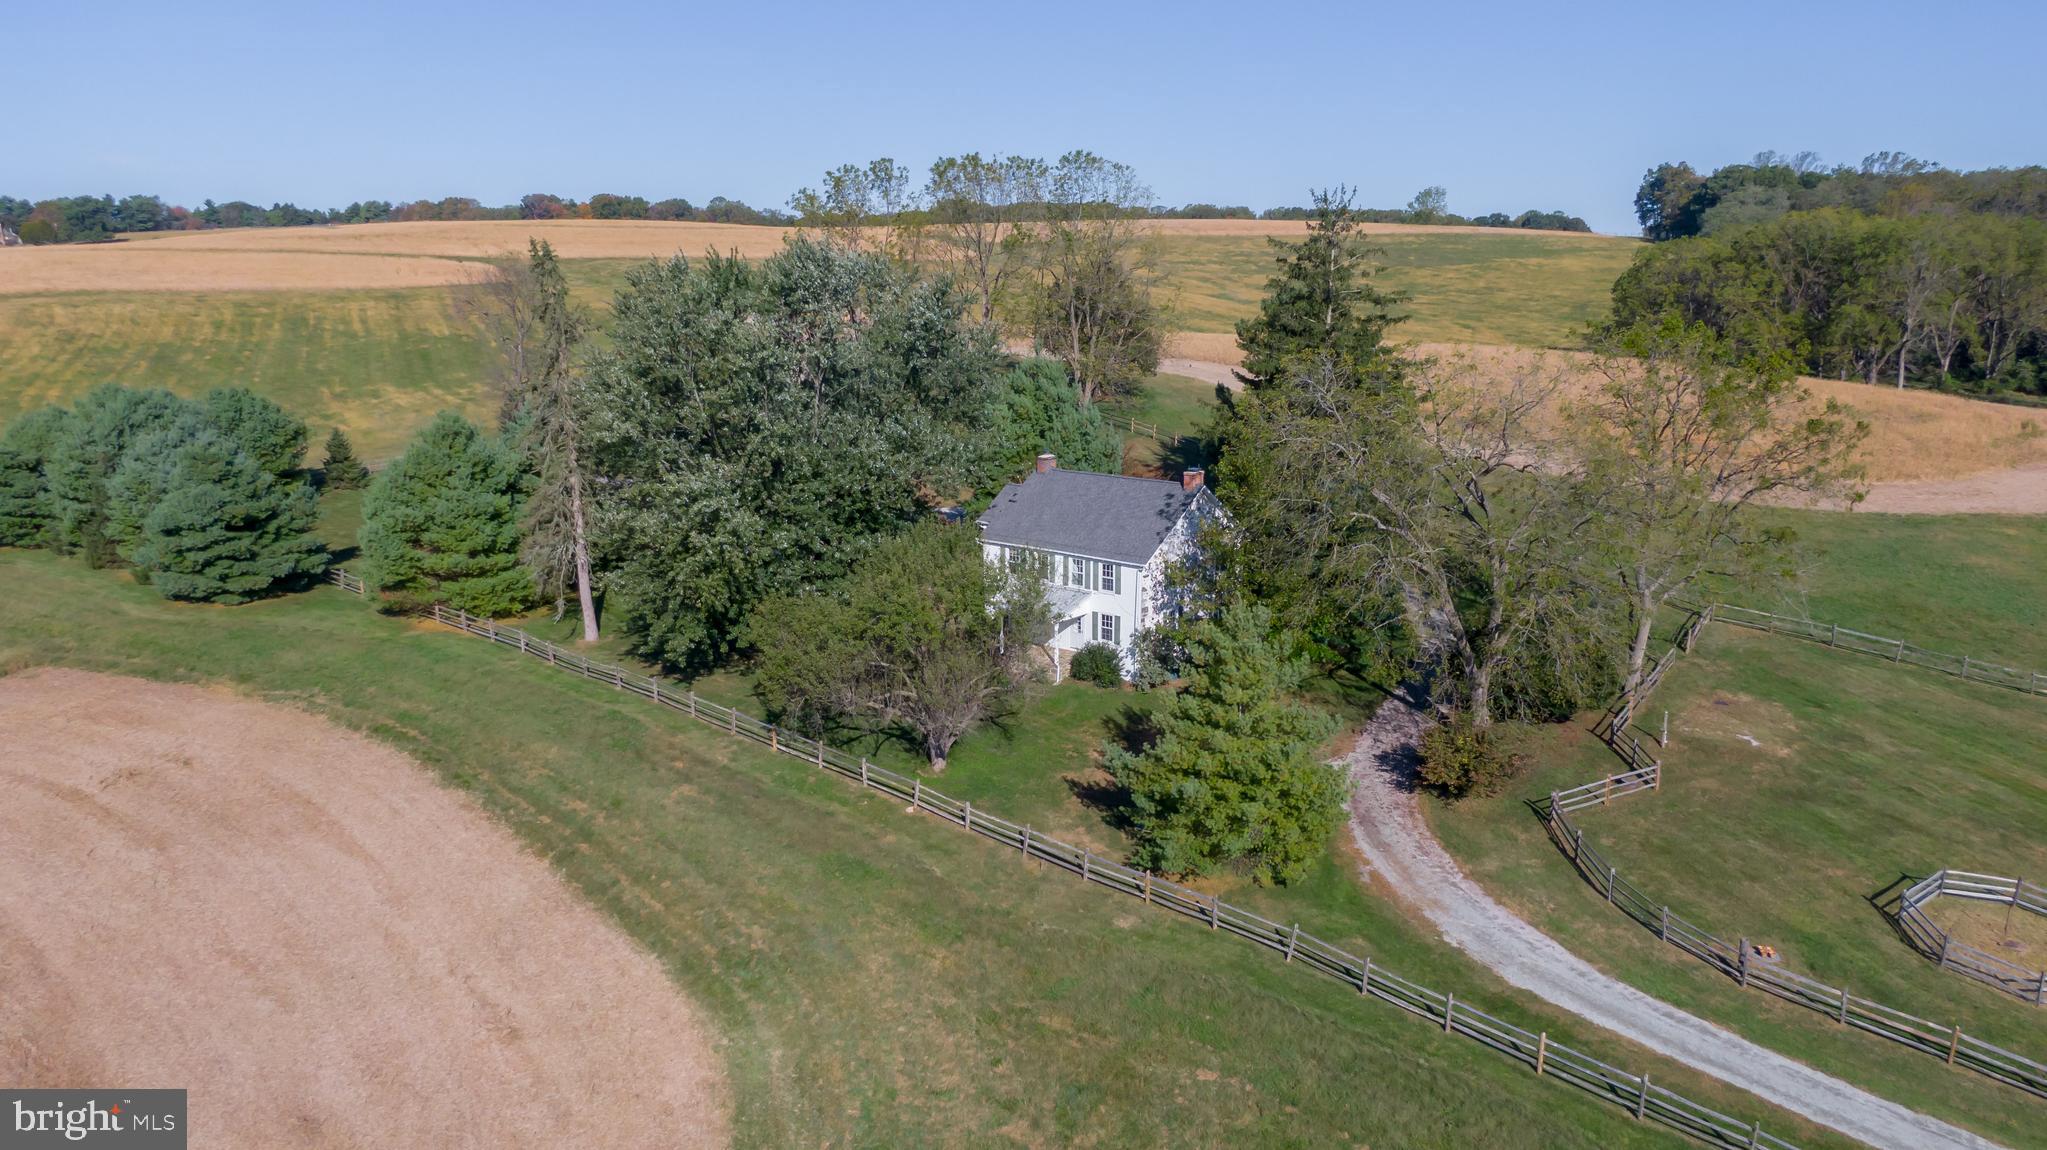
(441, 525)
(28, 514)
(1322, 303)
(1234, 778)
(341, 470)
(225, 530)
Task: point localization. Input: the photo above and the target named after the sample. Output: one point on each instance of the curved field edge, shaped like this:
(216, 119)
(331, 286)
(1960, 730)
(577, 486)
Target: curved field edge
(877, 978)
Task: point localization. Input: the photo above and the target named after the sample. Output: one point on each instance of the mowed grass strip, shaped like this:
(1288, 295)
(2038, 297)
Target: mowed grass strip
(1799, 784)
(879, 978)
(378, 363)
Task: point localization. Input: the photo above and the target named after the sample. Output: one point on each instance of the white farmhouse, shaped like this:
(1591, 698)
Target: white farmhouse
(1103, 544)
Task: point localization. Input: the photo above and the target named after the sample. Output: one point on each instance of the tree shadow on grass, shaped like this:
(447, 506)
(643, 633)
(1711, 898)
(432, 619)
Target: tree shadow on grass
(1132, 730)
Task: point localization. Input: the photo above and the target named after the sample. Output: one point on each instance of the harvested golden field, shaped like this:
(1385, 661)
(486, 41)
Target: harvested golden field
(312, 936)
(150, 267)
(478, 239)
(1914, 437)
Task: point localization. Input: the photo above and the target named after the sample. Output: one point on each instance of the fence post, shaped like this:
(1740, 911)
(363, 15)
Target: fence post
(1663, 928)
(1954, 1043)
(1899, 655)
(1449, 1008)
(1833, 634)
(1577, 844)
(1365, 978)
(1642, 1099)
(1741, 967)
(969, 824)
(1965, 666)
(916, 793)
(732, 719)
(1612, 872)
(863, 772)
(1215, 911)
(1844, 1006)
(1755, 1135)
(1945, 938)
(774, 738)
(1026, 841)
(820, 752)
(1541, 1051)
(522, 642)
(1087, 866)
(692, 702)
(1147, 886)
(1293, 942)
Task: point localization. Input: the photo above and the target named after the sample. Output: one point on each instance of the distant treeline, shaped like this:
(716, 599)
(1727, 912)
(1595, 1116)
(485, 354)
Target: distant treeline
(1556, 221)
(1674, 201)
(90, 219)
(1895, 271)
(1938, 300)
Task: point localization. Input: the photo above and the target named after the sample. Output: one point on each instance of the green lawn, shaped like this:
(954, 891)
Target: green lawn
(878, 978)
(1178, 406)
(1532, 290)
(1800, 783)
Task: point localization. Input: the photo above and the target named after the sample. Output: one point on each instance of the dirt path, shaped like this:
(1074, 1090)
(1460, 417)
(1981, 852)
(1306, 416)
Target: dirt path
(319, 942)
(1402, 852)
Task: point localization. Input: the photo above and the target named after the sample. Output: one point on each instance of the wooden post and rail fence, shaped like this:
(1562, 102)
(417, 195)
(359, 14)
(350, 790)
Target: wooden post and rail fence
(1544, 1056)
(1738, 961)
(1937, 943)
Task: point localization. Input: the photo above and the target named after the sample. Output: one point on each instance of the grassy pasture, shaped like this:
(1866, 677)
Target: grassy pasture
(1179, 406)
(1535, 290)
(1802, 782)
(880, 979)
(379, 363)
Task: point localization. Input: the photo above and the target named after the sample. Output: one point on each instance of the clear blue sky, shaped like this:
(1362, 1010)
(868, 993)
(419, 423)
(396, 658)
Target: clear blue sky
(1510, 106)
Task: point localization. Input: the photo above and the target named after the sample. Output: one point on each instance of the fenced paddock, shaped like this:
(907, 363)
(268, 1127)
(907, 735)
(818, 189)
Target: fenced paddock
(1737, 960)
(1896, 650)
(1635, 1093)
(1927, 936)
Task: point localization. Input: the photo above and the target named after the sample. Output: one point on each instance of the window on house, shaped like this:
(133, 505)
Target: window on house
(1108, 582)
(1109, 629)
(1076, 572)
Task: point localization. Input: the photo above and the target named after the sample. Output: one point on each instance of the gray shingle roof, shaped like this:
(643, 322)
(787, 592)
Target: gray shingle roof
(1114, 517)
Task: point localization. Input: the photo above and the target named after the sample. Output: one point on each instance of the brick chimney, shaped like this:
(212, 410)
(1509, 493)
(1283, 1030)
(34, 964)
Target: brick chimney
(1047, 462)
(1192, 478)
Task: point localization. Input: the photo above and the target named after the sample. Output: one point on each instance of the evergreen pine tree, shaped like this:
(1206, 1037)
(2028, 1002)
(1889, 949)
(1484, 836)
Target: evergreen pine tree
(27, 510)
(225, 530)
(1234, 777)
(441, 525)
(105, 423)
(1320, 303)
(270, 435)
(342, 471)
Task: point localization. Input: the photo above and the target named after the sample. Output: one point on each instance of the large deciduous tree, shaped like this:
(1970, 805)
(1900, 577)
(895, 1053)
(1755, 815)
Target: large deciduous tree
(1442, 489)
(923, 633)
(1235, 777)
(1092, 303)
(984, 212)
(754, 429)
(1680, 443)
(441, 525)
